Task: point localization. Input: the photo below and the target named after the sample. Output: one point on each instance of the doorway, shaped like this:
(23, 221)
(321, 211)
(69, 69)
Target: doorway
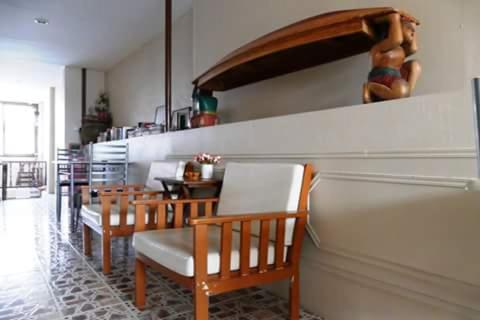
(23, 175)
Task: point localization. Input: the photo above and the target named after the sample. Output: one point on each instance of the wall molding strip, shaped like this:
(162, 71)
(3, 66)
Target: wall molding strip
(415, 180)
(462, 153)
(372, 177)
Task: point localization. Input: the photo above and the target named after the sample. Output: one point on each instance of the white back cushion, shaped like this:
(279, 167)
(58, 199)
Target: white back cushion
(160, 169)
(262, 188)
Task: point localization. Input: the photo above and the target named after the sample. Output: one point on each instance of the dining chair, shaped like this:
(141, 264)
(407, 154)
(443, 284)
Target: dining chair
(64, 159)
(107, 165)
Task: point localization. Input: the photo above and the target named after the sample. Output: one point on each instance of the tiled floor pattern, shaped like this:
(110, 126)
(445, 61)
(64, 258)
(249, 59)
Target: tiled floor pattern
(43, 275)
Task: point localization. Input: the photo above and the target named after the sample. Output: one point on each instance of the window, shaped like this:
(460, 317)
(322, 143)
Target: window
(18, 129)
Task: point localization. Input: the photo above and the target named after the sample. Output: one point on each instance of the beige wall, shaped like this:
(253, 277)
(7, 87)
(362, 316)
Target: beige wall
(222, 26)
(396, 227)
(95, 83)
(136, 85)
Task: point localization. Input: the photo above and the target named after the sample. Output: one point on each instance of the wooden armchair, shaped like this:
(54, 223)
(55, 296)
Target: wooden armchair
(113, 217)
(230, 251)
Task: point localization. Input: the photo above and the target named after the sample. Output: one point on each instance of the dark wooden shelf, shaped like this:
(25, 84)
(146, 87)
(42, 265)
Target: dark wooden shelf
(308, 43)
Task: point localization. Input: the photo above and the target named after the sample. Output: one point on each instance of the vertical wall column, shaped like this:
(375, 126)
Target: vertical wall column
(52, 145)
(84, 92)
(168, 63)
(82, 87)
(476, 111)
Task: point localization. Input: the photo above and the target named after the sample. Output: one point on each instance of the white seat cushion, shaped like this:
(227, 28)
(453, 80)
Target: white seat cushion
(261, 188)
(93, 213)
(173, 249)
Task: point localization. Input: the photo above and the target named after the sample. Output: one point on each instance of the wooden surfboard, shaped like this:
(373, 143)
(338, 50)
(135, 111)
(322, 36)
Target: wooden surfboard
(304, 44)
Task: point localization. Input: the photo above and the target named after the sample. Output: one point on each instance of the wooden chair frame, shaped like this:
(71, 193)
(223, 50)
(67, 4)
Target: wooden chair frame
(111, 195)
(204, 285)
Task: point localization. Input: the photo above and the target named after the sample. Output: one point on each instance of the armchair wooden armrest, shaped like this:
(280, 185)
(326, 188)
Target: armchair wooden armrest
(248, 217)
(136, 194)
(178, 205)
(114, 186)
(101, 188)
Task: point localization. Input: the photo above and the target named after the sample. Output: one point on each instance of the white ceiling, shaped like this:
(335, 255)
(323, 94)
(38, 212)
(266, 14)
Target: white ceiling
(93, 34)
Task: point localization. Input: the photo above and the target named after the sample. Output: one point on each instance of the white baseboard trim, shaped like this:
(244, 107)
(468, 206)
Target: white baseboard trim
(449, 294)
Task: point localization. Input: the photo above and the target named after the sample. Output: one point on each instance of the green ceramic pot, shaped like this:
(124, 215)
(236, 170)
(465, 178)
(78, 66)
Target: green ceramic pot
(208, 104)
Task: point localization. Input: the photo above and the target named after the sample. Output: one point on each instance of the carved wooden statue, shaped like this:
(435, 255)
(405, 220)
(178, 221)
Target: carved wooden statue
(392, 77)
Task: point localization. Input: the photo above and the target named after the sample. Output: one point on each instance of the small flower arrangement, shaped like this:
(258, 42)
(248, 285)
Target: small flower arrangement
(206, 158)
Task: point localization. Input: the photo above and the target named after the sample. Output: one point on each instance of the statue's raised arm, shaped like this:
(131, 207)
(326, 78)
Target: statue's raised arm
(395, 34)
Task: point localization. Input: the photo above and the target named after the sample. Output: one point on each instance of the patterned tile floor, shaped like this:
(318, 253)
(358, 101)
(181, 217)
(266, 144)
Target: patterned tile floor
(43, 275)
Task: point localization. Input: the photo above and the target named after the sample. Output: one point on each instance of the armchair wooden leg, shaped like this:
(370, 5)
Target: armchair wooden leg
(87, 240)
(106, 252)
(200, 304)
(294, 303)
(140, 284)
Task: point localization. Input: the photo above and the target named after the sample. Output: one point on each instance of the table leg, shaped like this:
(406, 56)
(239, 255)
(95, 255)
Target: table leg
(168, 194)
(185, 193)
(4, 181)
(58, 195)
(166, 190)
(71, 194)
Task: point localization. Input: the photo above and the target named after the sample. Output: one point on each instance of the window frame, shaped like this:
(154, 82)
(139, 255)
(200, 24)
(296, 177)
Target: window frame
(36, 108)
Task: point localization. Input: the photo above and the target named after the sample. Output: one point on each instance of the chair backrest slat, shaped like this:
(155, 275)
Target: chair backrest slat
(208, 209)
(123, 210)
(139, 223)
(106, 202)
(245, 239)
(263, 245)
(194, 210)
(279, 244)
(178, 219)
(151, 212)
(161, 216)
(226, 250)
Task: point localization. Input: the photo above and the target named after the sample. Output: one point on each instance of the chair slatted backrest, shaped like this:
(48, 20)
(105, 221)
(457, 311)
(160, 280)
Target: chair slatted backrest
(262, 188)
(64, 156)
(108, 164)
(160, 169)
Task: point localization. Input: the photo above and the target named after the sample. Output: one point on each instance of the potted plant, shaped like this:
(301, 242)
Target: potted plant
(101, 106)
(207, 162)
